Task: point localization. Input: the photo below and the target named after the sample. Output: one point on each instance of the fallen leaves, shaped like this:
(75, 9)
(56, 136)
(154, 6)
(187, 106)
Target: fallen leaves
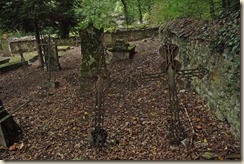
(198, 127)
(16, 146)
(136, 118)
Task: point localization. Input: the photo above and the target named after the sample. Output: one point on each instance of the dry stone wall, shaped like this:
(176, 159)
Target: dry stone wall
(217, 89)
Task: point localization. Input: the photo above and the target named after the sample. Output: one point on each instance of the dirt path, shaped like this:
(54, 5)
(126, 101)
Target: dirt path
(55, 123)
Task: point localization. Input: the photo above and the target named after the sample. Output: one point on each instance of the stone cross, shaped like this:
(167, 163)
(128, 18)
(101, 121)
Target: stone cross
(172, 73)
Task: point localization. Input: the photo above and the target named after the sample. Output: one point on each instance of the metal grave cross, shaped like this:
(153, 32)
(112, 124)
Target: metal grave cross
(171, 73)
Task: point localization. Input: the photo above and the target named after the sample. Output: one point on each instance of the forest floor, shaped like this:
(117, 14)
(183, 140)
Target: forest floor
(55, 123)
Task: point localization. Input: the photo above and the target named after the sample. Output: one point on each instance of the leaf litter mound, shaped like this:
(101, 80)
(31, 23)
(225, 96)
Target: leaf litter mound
(56, 122)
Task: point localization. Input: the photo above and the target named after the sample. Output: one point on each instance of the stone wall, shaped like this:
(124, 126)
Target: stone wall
(129, 35)
(217, 88)
(28, 43)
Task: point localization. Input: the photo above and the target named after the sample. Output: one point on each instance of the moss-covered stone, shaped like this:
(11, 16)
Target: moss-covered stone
(92, 51)
(122, 50)
(12, 66)
(93, 57)
(221, 87)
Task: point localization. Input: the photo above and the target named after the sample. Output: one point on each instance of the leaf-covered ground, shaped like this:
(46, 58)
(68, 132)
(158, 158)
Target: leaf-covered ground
(56, 121)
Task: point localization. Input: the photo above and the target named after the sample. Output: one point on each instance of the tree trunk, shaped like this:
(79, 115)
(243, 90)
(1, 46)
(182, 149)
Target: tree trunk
(125, 12)
(140, 12)
(64, 29)
(38, 42)
(212, 10)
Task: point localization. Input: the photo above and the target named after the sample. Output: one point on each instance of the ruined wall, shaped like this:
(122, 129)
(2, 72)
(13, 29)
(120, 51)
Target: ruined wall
(129, 35)
(218, 88)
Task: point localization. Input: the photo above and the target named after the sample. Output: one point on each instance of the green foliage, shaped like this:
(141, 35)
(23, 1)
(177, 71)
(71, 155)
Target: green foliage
(164, 10)
(78, 158)
(229, 35)
(98, 12)
(52, 15)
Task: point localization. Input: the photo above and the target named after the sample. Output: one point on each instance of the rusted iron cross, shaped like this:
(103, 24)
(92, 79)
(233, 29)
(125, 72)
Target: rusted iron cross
(171, 73)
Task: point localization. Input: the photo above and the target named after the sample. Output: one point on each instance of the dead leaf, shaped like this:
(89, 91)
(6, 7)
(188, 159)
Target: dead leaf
(221, 158)
(133, 119)
(16, 146)
(198, 127)
(209, 155)
(174, 148)
(21, 146)
(198, 119)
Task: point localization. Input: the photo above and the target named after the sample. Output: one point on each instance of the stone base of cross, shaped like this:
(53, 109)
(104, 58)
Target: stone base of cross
(171, 72)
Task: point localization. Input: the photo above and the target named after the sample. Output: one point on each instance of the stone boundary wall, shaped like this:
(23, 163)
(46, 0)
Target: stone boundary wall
(28, 44)
(217, 87)
(129, 35)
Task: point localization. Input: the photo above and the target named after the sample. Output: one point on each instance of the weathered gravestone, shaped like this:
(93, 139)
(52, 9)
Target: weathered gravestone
(172, 73)
(92, 51)
(9, 129)
(122, 50)
(5, 46)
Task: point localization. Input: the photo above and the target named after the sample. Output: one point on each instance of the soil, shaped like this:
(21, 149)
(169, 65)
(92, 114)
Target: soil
(55, 123)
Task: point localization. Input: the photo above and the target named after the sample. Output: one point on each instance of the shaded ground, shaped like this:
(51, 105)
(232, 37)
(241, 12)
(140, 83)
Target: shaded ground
(56, 121)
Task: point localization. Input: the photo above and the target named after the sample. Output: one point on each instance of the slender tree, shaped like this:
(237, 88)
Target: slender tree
(212, 9)
(125, 12)
(140, 10)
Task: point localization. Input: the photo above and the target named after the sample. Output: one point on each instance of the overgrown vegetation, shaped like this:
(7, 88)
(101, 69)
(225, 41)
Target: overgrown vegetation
(63, 17)
(67, 17)
(229, 37)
